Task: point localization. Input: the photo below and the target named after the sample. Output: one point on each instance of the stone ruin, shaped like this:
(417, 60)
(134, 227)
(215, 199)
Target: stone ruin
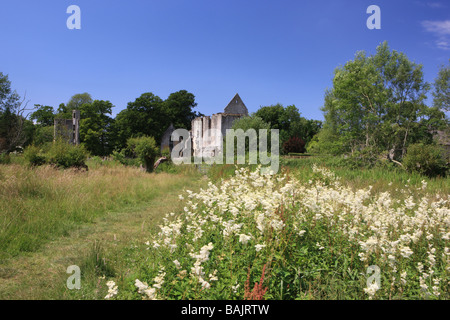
(202, 144)
(68, 129)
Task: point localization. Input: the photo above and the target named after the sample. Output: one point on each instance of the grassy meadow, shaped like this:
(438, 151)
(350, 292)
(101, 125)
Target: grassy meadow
(308, 232)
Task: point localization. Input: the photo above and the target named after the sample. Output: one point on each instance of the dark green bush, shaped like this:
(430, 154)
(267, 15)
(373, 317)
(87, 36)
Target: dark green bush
(166, 152)
(5, 158)
(34, 156)
(146, 150)
(367, 157)
(65, 155)
(426, 159)
(121, 157)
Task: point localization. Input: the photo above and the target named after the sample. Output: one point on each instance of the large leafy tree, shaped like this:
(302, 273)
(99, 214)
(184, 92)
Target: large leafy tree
(179, 108)
(76, 101)
(15, 129)
(144, 116)
(44, 115)
(149, 115)
(441, 95)
(377, 102)
(96, 127)
(289, 121)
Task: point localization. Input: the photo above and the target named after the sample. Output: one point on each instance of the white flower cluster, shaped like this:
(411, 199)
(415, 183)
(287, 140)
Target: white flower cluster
(150, 292)
(256, 209)
(112, 289)
(197, 269)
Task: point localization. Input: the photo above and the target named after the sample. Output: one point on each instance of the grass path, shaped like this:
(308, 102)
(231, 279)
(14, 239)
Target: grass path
(42, 274)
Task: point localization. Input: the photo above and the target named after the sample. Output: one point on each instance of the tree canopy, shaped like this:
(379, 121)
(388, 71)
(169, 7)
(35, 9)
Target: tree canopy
(96, 127)
(377, 102)
(149, 115)
(289, 121)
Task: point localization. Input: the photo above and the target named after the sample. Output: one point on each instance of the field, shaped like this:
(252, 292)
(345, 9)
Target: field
(313, 231)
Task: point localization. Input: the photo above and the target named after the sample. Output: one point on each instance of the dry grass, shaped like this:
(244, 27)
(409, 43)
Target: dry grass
(50, 218)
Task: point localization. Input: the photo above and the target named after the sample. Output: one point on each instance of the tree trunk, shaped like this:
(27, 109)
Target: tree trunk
(160, 160)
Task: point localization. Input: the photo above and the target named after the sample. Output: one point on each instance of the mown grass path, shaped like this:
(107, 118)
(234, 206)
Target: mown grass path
(42, 274)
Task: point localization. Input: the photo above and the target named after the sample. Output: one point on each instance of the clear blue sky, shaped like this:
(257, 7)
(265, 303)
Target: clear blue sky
(267, 51)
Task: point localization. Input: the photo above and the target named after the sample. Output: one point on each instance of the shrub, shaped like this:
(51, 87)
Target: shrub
(367, 157)
(66, 155)
(166, 152)
(43, 135)
(34, 156)
(425, 159)
(121, 157)
(5, 158)
(145, 149)
(294, 145)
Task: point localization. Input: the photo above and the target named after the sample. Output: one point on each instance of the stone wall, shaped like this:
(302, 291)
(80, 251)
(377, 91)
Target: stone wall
(205, 142)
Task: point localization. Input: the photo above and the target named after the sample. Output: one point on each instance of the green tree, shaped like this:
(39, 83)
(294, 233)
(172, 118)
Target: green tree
(441, 94)
(15, 129)
(376, 101)
(96, 127)
(43, 135)
(145, 116)
(251, 122)
(76, 101)
(150, 115)
(426, 159)
(179, 108)
(44, 115)
(146, 150)
(289, 121)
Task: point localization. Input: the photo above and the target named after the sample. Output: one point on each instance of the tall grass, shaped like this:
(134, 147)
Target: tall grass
(40, 204)
(381, 178)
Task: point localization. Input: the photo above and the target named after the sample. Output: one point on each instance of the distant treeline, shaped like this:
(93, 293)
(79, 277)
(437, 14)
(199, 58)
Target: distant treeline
(376, 109)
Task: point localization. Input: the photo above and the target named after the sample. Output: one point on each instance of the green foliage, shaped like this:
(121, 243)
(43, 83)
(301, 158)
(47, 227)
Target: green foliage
(34, 156)
(44, 115)
(5, 158)
(43, 135)
(441, 95)
(96, 127)
(123, 159)
(166, 152)
(15, 130)
(145, 149)
(65, 155)
(365, 158)
(219, 246)
(289, 122)
(250, 122)
(8, 99)
(428, 160)
(179, 109)
(76, 101)
(369, 105)
(325, 142)
(150, 115)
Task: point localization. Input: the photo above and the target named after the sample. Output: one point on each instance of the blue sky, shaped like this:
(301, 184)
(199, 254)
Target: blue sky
(267, 51)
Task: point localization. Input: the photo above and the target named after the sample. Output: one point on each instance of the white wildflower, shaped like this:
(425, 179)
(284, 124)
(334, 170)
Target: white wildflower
(244, 238)
(112, 289)
(259, 247)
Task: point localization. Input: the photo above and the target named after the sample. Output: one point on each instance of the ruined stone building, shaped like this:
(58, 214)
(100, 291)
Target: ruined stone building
(68, 129)
(203, 140)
